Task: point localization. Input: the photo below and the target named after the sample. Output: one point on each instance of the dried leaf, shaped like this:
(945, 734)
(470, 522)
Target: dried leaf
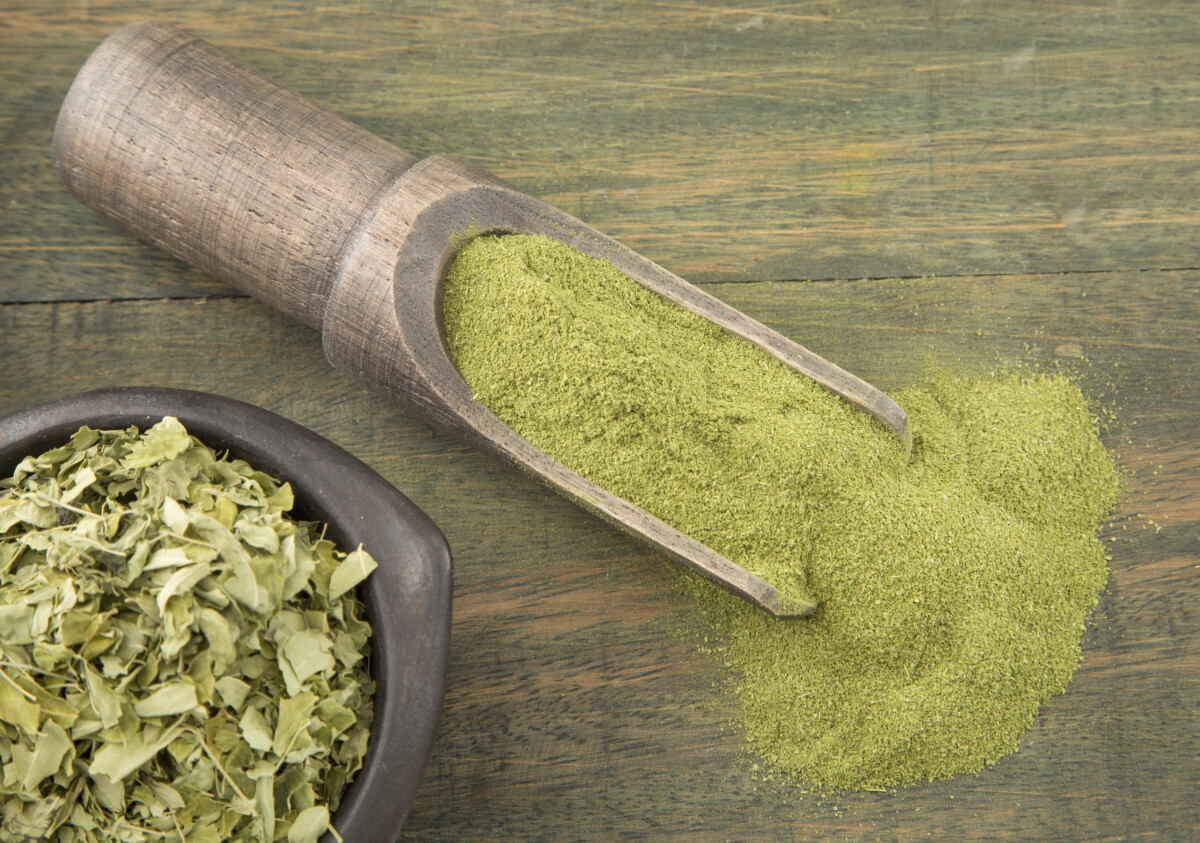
(306, 653)
(16, 624)
(295, 713)
(175, 649)
(117, 760)
(167, 700)
(264, 803)
(222, 637)
(233, 691)
(244, 587)
(256, 731)
(52, 747)
(309, 825)
(258, 535)
(167, 557)
(165, 441)
(17, 706)
(181, 582)
(105, 701)
(355, 568)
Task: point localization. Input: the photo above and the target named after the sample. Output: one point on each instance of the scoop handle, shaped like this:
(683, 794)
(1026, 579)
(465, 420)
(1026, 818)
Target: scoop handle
(209, 159)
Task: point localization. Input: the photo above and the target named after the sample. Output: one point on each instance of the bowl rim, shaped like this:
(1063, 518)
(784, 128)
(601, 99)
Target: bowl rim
(407, 599)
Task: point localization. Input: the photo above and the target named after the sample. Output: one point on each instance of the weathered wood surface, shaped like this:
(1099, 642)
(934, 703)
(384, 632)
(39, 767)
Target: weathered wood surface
(797, 140)
(850, 140)
(575, 709)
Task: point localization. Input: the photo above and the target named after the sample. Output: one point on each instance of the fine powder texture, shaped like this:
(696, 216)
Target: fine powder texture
(953, 584)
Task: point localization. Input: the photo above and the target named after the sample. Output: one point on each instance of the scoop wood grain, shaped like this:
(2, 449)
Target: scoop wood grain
(205, 157)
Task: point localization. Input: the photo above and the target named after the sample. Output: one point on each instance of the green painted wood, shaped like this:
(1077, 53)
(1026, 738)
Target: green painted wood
(576, 707)
(792, 141)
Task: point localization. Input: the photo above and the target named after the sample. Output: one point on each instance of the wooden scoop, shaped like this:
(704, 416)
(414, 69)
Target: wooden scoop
(224, 168)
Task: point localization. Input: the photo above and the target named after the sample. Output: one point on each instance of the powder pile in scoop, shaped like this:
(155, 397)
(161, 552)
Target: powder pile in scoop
(953, 584)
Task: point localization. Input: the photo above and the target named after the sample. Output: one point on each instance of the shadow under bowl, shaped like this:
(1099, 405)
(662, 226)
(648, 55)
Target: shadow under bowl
(407, 599)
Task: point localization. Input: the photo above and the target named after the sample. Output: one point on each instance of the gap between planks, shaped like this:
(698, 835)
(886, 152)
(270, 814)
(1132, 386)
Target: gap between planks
(865, 279)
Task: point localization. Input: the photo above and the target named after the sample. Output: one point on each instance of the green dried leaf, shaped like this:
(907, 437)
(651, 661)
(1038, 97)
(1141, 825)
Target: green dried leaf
(167, 700)
(244, 587)
(264, 803)
(355, 568)
(335, 715)
(309, 825)
(181, 582)
(105, 701)
(18, 706)
(116, 760)
(174, 516)
(52, 747)
(16, 625)
(233, 691)
(167, 795)
(256, 731)
(295, 713)
(167, 557)
(172, 649)
(303, 655)
(165, 441)
(222, 637)
(205, 834)
(82, 479)
(31, 820)
(258, 535)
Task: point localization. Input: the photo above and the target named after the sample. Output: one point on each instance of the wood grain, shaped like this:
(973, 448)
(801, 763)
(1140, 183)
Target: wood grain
(733, 143)
(576, 707)
(724, 142)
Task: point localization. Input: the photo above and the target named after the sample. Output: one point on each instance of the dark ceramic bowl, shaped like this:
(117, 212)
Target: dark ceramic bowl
(407, 598)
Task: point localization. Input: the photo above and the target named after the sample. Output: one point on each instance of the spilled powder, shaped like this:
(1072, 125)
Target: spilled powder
(953, 585)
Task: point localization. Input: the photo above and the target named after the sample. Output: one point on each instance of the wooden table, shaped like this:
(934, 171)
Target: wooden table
(959, 182)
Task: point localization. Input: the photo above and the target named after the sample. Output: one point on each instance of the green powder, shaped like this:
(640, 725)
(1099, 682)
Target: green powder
(953, 585)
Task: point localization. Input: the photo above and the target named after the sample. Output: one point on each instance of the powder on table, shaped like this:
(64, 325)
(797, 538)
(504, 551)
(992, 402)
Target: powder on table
(953, 586)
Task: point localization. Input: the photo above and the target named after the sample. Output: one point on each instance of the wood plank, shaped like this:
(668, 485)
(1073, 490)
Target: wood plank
(724, 141)
(577, 709)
